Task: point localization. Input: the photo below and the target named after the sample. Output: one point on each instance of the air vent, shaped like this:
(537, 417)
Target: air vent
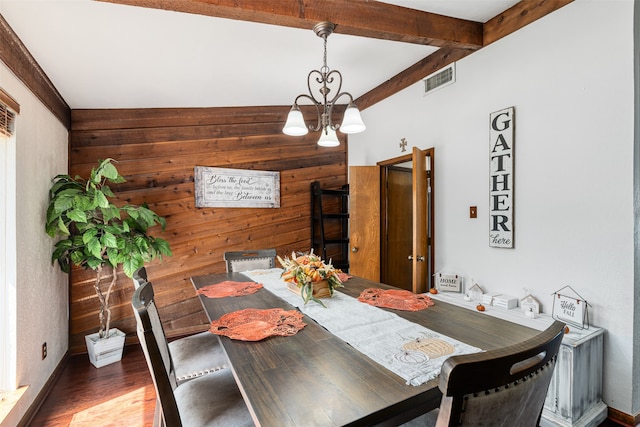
(439, 79)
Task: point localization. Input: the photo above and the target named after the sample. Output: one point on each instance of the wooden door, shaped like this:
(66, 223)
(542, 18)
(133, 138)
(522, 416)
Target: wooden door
(420, 256)
(398, 232)
(364, 221)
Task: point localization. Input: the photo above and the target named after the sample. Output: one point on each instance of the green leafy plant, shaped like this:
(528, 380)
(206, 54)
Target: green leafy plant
(98, 235)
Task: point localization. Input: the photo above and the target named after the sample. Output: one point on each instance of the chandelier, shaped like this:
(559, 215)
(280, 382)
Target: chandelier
(320, 84)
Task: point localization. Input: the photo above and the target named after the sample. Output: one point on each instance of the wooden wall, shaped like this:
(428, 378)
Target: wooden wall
(156, 151)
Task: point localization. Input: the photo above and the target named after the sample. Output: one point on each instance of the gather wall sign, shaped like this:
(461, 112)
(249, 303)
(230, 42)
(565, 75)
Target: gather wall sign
(501, 151)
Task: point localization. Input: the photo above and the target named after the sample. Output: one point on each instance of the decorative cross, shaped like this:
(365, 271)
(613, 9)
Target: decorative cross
(403, 145)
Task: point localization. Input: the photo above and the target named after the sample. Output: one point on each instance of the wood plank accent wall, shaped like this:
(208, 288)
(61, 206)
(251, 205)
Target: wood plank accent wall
(156, 151)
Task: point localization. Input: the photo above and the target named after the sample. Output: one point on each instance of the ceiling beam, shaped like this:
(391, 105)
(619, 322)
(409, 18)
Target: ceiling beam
(432, 63)
(456, 38)
(17, 58)
(508, 22)
(516, 17)
(364, 18)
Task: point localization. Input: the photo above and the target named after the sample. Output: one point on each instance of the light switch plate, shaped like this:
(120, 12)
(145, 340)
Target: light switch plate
(473, 212)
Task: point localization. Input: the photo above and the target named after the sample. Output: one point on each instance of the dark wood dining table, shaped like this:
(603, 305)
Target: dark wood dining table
(313, 378)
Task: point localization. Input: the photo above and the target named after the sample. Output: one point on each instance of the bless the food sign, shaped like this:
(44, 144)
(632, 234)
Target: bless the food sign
(501, 178)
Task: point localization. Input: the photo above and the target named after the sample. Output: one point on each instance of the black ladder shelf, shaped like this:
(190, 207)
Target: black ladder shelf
(330, 224)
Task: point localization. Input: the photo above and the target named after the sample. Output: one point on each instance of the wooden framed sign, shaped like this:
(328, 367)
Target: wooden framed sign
(448, 282)
(501, 150)
(236, 188)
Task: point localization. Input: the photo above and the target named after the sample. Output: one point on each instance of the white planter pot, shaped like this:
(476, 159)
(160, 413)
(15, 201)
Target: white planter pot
(103, 351)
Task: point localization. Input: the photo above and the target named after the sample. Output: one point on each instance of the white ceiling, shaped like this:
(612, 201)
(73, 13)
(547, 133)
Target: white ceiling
(103, 55)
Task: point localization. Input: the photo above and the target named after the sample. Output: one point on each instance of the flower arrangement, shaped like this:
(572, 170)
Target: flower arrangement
(305, 270)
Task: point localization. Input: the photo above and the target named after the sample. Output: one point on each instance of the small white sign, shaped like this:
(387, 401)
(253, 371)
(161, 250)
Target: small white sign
(569, 309)
(449, 282)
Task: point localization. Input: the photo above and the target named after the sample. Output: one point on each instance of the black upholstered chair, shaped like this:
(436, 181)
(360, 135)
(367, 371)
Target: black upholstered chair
(193, 355)
(250, 260)
(209, 400)
(503, 387)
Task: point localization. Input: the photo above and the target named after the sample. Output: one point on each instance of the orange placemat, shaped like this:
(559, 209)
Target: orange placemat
(252, 324)
(398, 299)
(229, 288)
(344, 277)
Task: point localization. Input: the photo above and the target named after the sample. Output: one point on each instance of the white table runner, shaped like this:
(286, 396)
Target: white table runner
(411, 351)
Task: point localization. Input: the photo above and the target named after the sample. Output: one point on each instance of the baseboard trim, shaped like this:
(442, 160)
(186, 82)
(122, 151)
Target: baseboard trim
(46, 389)
(622, 418)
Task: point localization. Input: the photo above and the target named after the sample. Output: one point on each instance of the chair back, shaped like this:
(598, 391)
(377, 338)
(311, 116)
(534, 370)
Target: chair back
(139, 277)
(156, 351)
(503, 387)
(250, 260)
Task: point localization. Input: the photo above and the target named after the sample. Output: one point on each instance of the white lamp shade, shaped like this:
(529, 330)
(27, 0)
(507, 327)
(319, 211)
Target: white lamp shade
(295, 125)
(352, 122)
(328, 138)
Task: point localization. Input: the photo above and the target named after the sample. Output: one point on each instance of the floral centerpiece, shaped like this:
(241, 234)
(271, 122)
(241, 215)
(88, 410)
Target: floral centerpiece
(310, 276)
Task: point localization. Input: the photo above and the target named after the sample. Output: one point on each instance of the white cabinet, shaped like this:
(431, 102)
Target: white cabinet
(575, 392)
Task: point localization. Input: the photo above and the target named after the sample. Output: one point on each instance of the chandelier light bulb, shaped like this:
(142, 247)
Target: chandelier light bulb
(328, 138)
(295, 125)
(352, 121)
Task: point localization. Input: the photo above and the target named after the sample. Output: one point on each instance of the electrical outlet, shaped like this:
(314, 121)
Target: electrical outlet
(44, 351)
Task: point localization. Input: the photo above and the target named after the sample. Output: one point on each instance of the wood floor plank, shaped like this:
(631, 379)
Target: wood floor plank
(120, 394)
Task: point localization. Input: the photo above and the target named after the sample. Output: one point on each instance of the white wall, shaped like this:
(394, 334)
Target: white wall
(570, 78)
(42, 290)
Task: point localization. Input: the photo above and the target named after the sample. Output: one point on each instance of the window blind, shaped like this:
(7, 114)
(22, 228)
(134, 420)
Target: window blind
(7, 120)
(8, 110)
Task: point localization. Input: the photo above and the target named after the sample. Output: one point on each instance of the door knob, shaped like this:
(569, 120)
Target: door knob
(420, 258)
(354, 249)
(410, 257)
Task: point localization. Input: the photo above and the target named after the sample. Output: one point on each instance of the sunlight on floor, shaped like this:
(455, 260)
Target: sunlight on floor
(8, 401)
(126, 410)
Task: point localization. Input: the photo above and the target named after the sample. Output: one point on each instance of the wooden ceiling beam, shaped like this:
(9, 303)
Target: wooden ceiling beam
(364, 18)
(509, 21)
(456, 38)
(518, 16)
(432, 63)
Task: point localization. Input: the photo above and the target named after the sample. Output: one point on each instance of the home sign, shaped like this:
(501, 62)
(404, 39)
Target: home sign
(236, 188)
(501, 150)
(449, 282)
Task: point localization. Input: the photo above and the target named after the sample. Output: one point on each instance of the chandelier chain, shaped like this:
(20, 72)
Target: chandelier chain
(325, 54)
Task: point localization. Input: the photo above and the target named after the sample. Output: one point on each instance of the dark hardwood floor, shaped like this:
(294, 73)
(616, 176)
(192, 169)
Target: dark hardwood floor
(120, 394)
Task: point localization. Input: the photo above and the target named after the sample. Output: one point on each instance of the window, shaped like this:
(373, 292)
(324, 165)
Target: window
(8, 110)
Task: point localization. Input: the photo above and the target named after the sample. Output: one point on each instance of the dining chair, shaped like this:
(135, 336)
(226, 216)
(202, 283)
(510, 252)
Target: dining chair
(194, 355)
(250, 260)
(139, 277)
(209, 400)
(502, 387)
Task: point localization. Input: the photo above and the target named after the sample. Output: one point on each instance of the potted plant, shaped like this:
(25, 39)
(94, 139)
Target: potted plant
(98, 235)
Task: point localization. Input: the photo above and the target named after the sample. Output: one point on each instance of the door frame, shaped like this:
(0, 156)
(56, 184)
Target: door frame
(384, 164)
